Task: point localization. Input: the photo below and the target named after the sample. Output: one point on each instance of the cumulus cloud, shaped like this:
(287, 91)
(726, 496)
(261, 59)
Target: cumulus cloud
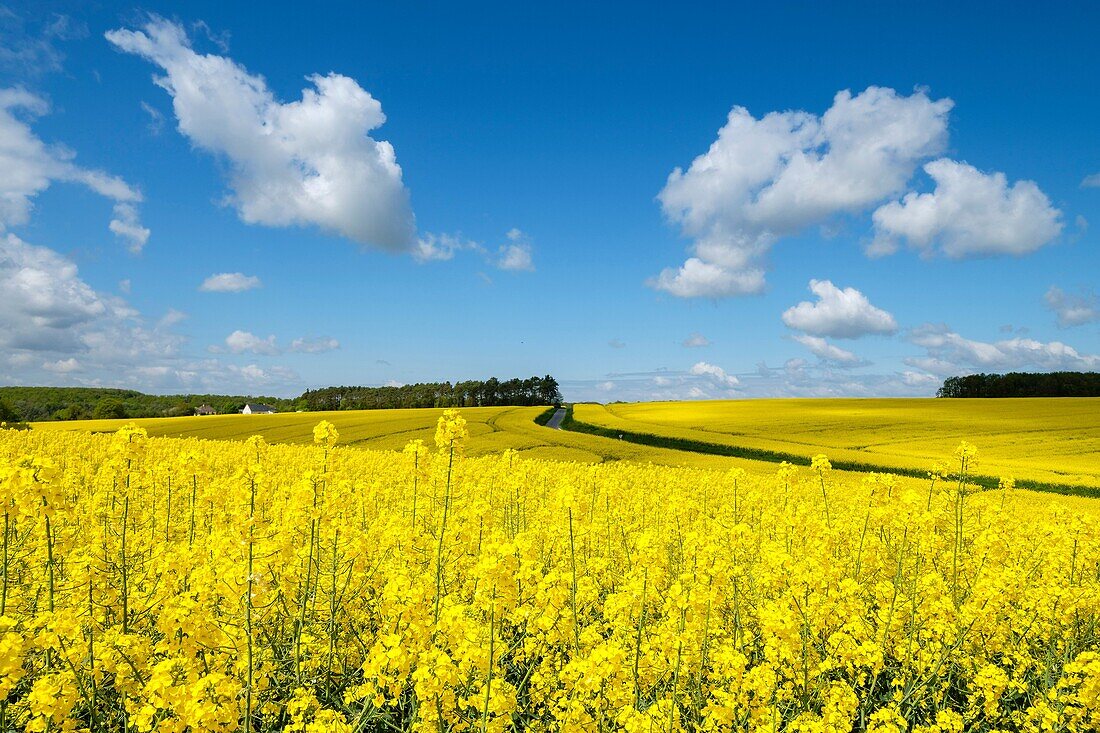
(715, 373)
(307, 162)
(30, 166)
(229, 282)
(767, 178)
(1072, 310)
(49, 309)
(62, 366)
(240, 342)
(171, 318)
(822, 349)
(969, 214)
(838, 313)
(695, 341)
(517, 254)
(948, 353)
(126, 225)
(317, 345)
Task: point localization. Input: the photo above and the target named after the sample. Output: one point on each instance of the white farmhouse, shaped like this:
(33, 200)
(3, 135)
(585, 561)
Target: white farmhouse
(251, 409)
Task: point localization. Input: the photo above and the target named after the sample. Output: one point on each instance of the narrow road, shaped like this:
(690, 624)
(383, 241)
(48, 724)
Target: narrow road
(555, 420)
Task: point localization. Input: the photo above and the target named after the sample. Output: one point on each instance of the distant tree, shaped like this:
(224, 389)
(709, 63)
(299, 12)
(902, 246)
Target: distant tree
(8, 413)
(109, 408)
(1018, 384)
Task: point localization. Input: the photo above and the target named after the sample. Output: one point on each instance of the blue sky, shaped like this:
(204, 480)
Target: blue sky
(871, 196)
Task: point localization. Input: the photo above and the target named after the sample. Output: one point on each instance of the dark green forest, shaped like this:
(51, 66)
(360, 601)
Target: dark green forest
(36, 404)
(474, 393)
(1020, 384)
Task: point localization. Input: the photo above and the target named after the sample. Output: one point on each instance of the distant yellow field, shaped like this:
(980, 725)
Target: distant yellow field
(1054, 440)
(492, 430)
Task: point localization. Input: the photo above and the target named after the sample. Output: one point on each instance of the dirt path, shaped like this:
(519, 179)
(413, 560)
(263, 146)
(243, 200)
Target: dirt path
(555, 420)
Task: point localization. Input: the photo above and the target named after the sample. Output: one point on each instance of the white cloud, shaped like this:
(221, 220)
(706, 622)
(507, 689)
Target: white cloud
(124, 286)
(156, 119)
(766, 178)
(617, 344)
(317, 345)
(48, 309)
(126, 225)
(307, 162)
(229, 282)
(695, 341)
(517, 254)
(948, 353)
(62, 366)
(240, 342)
(699, 279)
(30, 166)
(1092, 181)
(516, 257)
(822, 349)
(1072, 310)
(919, 379)
(171, 318)
(969, 214)
(838, 313)
(715, 373)
(441, 247)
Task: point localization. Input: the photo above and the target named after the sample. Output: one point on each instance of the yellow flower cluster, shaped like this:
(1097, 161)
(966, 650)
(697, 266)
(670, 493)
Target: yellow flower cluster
(177, 585)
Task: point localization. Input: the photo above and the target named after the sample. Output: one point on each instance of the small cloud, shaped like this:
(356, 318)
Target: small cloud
(516, 258)
(317, 345)
(171, 318)
(127, 227)
(62, 366)
(1072, 310)
(838, 313)
(229, 282)
(1092, 181)
(382, 362)
(825, 351)
(441, 247)
(695, 341)
(517, 255)
(715, 373)
(156, 119)
(617, 344)
(240, 342)
(605, 386)
(124, 286)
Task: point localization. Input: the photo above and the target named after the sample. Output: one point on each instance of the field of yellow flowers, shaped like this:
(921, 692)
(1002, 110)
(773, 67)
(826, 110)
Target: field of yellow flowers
(1052, 440)
(154, 584)
(492, 430)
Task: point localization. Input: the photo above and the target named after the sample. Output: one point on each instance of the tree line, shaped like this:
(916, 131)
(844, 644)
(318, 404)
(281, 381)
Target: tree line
(1020, 384)
(471, 393)
(40, 404)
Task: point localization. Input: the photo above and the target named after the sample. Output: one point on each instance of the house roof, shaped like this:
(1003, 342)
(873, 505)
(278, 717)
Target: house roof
(256, 407)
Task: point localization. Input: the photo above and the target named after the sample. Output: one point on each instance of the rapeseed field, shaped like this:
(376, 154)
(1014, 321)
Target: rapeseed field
(1041, 439)
(154, 584)
(491, 431)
